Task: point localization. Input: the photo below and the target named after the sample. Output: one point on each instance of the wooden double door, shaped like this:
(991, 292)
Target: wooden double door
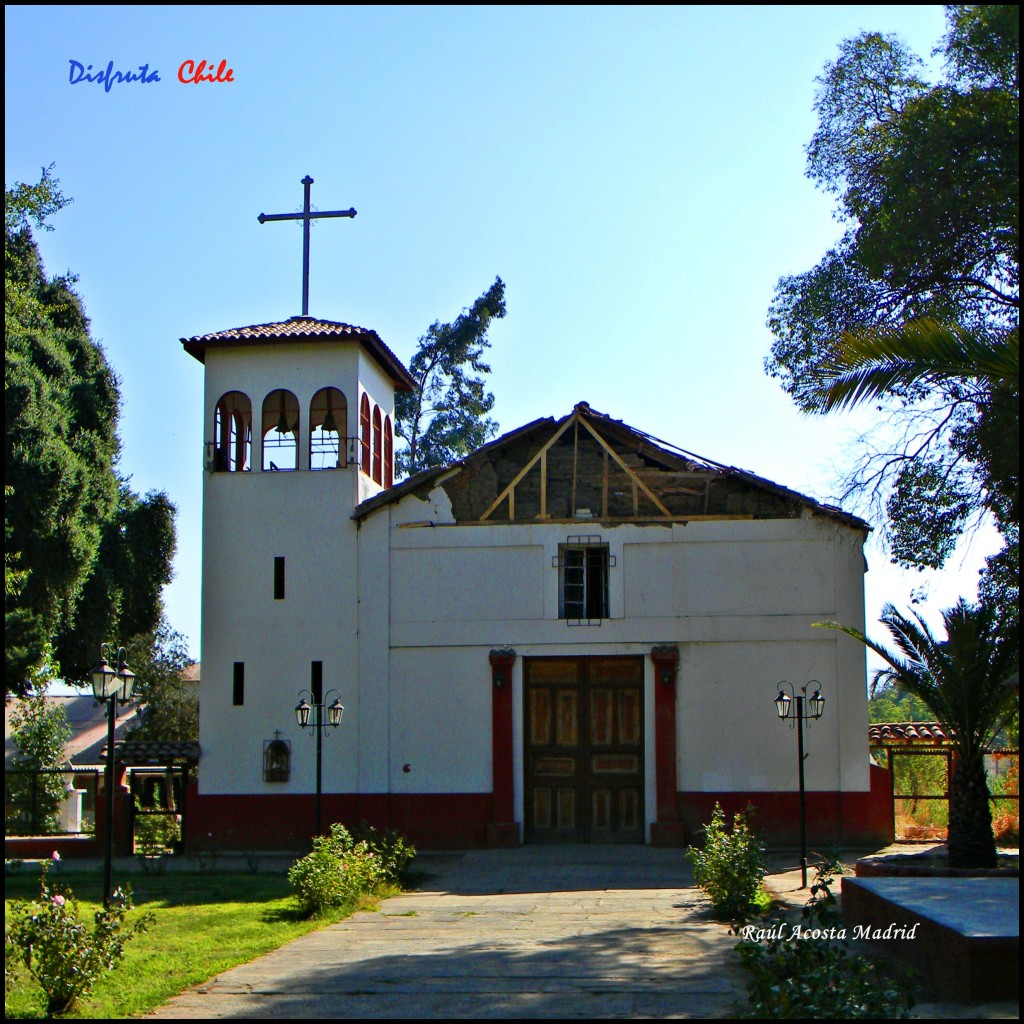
(584, 756)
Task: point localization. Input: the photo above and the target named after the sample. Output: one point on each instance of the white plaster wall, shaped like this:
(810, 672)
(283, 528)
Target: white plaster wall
(380, 391)
(371, 733)
(737, 597)
(729, 735)
(441, 720)
(471, 584)
(377, 385)
(248, 519)
(734, 568)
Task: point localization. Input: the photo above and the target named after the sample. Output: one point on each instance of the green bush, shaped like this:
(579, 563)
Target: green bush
(60, 952)
(390, 848)
(731, 864)
(343, 866)
(808, 970)
(156, 835)
(317, 882)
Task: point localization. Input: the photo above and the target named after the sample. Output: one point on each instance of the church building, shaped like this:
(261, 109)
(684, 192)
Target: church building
(574, 634)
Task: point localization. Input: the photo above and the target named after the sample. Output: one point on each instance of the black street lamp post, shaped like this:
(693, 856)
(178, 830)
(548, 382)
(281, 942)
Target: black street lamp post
(111, 686)
(790, 707)
(317, 709)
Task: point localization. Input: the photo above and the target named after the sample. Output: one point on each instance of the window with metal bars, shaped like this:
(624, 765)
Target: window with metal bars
(583, 580)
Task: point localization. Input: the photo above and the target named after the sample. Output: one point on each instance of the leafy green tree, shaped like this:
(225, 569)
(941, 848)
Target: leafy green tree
(446, 417)
(967, 682)
(68, 512)
(927, 180)
(122, 595)
(40, 731)
(169, 699)
(888, 703)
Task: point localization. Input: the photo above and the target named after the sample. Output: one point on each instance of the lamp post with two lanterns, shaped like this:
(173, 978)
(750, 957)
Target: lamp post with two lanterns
(791, 707)
(111, 686)
(316, 707)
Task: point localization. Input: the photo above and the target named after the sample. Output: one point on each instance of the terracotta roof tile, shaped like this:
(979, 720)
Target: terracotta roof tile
(158, 752)
(907, 732)
(303, 328)
(295, 327)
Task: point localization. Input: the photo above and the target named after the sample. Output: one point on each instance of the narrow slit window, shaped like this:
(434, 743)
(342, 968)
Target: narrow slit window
(238, 684)
(316, 681)
(279, 578)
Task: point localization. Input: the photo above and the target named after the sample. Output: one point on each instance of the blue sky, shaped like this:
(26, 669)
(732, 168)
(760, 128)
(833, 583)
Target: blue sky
(635, 175)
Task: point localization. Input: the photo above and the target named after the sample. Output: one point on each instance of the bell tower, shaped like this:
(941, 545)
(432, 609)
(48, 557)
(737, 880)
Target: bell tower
(301, 395)
(298, 430)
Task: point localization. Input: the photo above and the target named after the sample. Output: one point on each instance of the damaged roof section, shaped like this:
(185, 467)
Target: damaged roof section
(589, 466)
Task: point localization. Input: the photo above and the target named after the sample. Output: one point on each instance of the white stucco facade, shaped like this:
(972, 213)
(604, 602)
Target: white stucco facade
(402, 603)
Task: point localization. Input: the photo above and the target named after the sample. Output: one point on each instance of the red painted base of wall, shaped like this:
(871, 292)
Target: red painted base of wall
(433, 821)
(42, 847)
(450, 821)
(861, 819)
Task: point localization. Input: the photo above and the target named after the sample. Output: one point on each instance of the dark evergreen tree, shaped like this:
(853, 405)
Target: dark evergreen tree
(122, 596)
(88, 558)
(446, 417)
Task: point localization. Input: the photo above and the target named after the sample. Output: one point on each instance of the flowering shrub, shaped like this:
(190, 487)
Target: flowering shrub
(731, 865)
(344, 866)
(809, 971)
(59, 951)
(391, 850)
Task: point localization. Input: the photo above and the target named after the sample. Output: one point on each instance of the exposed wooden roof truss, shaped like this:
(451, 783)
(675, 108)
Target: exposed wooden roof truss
(613, 465)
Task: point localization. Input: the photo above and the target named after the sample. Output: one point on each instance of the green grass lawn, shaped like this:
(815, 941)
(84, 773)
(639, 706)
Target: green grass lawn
(205, 923)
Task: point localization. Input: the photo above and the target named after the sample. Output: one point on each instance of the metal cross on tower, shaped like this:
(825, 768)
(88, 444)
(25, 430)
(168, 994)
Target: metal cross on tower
(306, 216)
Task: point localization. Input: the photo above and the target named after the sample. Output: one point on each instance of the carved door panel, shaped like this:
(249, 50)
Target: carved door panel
(584, 771)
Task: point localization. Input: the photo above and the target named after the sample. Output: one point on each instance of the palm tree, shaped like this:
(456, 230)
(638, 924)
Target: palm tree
(969, 682)
(875, 361)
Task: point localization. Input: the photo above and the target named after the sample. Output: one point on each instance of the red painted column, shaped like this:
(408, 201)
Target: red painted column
(667, 830)
(502, 829)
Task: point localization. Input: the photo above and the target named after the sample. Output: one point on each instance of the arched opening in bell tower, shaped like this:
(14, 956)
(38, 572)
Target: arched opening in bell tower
(378, 446)
(280, 431)
(232, 433)
(389, 453)
(364, 434)
(328, 418)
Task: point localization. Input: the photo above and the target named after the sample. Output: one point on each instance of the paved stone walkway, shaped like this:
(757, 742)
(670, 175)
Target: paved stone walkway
(525, 933)
(583, 931)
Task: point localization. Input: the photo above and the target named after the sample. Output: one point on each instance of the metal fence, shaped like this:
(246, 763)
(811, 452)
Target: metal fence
(158, 809)
(50, 802)
(920, 790)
